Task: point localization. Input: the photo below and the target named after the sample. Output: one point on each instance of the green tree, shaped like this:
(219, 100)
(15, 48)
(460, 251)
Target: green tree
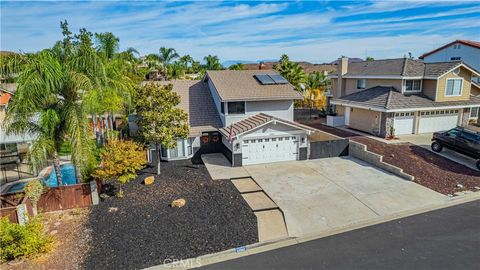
(34, 190)
(237, 66)
(107, 44)
(167, 55)
(314, 84)
(369, 58)
(212, 62)
(186, 60)
(161, 121)
(291, 71)
(120, 161)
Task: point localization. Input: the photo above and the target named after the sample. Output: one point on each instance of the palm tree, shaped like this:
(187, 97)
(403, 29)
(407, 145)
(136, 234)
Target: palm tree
(48, 104)
(293, 73)
(167, 55)
(212, 62)
(313, 87)
(185, 60)
(107, 44)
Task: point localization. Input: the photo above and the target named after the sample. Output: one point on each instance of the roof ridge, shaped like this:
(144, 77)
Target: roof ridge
(389, 97)
(404, 66)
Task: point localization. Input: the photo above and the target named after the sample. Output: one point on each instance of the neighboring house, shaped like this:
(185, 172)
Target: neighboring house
(245, 114)
(467, 51)
(12, 143)
(403, 95)
(307, 66)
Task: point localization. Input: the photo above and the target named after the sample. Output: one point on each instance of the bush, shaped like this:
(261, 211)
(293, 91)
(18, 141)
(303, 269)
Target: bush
(17, 240)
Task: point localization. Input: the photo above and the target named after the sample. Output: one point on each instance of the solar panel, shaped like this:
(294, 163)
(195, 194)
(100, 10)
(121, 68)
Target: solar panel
(264, 79)
(278, 79)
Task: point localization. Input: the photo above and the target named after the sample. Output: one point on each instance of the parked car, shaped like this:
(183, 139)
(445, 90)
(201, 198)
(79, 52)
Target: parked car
(464, 140)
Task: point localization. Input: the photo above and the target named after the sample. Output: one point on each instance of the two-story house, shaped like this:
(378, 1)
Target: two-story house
(467, 51)
(246, 114)
(404, 96)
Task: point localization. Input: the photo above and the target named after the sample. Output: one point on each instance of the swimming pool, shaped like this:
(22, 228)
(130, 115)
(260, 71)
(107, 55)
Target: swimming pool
(68, 178)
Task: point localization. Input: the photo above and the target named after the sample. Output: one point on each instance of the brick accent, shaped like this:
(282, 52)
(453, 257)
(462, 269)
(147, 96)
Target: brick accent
(465, 117)
(386, 124)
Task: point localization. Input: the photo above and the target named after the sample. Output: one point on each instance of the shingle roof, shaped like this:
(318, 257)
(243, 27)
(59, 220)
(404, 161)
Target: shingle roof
(239, 85)
(387, 98)
(197, 101)
(254, 122)
(470, 43)
(400, 67)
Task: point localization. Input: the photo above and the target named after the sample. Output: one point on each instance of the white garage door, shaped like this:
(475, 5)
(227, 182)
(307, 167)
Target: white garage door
(403, 123)
(266, 150)
(432, 121)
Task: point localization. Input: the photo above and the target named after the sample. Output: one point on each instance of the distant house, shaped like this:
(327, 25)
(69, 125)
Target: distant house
(404, 95)
(307, 67)
(467, 51)
(245, 114)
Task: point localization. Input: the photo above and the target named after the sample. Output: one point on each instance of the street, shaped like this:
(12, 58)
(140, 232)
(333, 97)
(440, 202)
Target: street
(443, 239)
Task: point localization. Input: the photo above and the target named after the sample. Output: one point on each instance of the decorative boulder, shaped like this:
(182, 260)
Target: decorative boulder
(149, 180)
(178, 203)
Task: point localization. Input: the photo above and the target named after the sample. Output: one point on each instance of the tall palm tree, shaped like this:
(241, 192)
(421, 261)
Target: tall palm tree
(167, 55)
(107, 44)
(212, 62)
(185, 60)
(314, 87)
(48, 104)
(293, 73)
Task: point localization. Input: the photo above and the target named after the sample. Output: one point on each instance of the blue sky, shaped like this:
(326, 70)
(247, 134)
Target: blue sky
(316, 31)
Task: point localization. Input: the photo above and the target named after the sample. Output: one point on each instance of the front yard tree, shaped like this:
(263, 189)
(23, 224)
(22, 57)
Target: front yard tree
(120, 161)
(161, 121)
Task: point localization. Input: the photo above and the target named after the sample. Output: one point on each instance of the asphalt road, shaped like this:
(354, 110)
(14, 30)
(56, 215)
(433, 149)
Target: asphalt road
(443, 239)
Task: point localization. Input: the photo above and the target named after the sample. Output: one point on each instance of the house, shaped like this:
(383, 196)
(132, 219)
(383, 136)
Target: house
(404, 96)
(467, 51)
(245, 114)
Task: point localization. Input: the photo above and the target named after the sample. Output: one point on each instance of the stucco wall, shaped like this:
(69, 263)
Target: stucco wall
(216, 99)
(340, 110)
(429, 88)
(466, 75)
(468, 54)
(351, 84)
(279, 108)
(365, 120)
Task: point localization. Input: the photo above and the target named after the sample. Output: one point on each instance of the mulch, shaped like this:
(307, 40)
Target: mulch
(429, 169)
(142, 230)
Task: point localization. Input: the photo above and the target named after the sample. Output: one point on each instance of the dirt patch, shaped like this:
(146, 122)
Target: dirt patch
(430, 170)
(142, 230)
(71, 242)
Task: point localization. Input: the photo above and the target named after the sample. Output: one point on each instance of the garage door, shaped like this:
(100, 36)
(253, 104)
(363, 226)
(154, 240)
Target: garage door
(432, 121)
(403, 123)
(266, 150)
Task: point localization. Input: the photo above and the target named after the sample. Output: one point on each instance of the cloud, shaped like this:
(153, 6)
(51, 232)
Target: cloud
(313, 31)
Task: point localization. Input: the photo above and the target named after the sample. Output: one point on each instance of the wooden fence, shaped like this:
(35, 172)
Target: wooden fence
(12, 211)
(65, 197)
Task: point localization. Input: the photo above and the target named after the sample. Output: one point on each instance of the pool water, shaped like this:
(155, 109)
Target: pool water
(68, 178)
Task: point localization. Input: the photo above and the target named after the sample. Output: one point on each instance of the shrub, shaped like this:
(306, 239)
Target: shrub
(34, 190)
(17, 240)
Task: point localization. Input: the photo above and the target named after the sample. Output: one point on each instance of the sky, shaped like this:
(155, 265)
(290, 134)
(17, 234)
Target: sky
(315, 31)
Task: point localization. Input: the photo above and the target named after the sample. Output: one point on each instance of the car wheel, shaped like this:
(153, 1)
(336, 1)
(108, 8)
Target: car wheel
(478, 164)
(436, 146)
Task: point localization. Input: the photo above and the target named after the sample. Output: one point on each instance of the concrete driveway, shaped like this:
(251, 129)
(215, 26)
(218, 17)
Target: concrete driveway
(317, 195)
(425, 140)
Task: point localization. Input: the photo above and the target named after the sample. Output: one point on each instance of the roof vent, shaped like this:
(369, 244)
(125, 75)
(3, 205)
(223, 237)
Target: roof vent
(268, 79)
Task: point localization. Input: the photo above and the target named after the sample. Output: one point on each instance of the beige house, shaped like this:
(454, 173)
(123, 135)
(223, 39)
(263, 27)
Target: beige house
(404, 96)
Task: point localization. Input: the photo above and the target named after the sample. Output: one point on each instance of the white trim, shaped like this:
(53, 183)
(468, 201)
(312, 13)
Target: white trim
(276, 121)
(404, 86)
(457, 66)
(446, 85)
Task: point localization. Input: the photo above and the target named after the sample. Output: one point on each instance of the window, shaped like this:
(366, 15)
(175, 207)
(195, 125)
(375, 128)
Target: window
(361, 84)
(474, 112)
(189, 145)
(236, 107)
(413, 85)
(455, 58)
(453, 132)
(454, 87)
(222, 107)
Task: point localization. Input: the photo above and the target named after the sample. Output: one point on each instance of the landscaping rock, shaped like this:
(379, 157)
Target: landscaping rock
(178, 203)
(112, 209)
(149, 180)
(459, 186)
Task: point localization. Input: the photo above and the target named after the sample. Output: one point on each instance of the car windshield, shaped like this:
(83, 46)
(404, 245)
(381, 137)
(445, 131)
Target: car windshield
(453, 132)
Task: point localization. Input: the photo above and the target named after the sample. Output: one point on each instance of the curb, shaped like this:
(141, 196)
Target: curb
(255, 248)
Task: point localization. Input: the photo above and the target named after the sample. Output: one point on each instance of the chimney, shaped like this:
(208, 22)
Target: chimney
(342, 69)
(261, 65)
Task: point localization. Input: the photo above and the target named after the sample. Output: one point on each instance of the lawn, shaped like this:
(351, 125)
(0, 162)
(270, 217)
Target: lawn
(142, 230)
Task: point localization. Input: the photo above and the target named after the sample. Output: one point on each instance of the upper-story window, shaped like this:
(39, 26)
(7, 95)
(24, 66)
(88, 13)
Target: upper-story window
(222, 107)
(453, 87)
(236, 107)
(413, 85)
(457, 46)
(361, 84)
(455, 58)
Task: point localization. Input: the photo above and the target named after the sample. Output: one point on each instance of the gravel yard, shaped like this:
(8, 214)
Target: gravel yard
(142, 230)
(430, 170)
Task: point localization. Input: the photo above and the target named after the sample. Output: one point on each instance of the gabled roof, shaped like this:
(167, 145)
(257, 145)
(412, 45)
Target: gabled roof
(471, 43)
(196, 100)
(257, 121)
(239, 85)
(402, 67)
(386, 98)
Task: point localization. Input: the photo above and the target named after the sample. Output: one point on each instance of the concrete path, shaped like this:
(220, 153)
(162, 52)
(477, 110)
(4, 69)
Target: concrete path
(220, 168)
(271, 225)
(425, 140)
(318, 195)
(246, 185)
